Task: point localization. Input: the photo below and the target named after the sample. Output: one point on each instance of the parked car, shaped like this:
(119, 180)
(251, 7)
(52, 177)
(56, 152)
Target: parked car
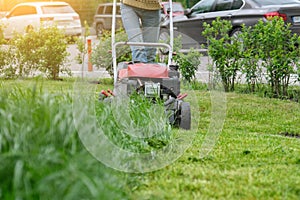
(239, 12)
(32, 15)
(103, 17)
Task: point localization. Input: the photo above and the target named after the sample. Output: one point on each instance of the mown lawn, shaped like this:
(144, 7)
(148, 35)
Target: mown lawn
(252, 157)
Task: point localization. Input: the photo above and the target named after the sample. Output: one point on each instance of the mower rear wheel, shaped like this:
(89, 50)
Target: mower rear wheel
(185, 116)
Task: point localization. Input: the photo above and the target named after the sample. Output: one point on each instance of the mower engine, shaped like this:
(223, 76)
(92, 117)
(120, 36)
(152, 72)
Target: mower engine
(155, 81)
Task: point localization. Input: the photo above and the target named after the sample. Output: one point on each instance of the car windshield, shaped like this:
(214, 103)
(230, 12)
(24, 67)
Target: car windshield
(53, 9)
(176, 7)
(275, 2)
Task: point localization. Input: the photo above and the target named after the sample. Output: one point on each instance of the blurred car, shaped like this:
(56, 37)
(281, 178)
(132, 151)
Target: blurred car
(32, 15)
(239, 12)
(103, 17)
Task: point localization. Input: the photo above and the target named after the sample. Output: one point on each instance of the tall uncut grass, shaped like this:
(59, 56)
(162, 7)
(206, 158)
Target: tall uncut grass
(135, 124)
(40, 154)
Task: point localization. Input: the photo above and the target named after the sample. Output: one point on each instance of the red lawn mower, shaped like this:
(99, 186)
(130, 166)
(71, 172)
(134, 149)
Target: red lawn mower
(155, 80)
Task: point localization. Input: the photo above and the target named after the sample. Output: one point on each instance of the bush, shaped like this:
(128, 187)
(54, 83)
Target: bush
(278, 51)
(102, 56)
(251, 66)
(224, 50)
(42, 51)
(9, 65)
(81, 45)
(268, 47)
(188, 64)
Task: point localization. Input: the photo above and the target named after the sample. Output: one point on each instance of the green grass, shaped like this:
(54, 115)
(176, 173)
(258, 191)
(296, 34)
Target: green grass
(41, 155)
(250, 160)
(136, 124)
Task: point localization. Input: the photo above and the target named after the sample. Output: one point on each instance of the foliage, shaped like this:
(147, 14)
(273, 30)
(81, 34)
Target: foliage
(81, 44)
(251, 66)
(40, 153)
(278, 50)
(224, 51)
(2, 40)
(102, 53)
(43, 50)
(265, 51)
(86, 10)
(8, 62)
(188, 64)
(82, 47)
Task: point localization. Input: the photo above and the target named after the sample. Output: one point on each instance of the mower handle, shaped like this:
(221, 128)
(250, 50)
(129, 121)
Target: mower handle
(114, 44)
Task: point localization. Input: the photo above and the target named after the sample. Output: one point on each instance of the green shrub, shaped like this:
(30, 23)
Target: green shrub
(7, 60)
(102, 56)
(224, 50)
(81, 44)
(251, 67)
(43, 50)
(278, 51)
(9, 65)
(271, 52)
(188, 64)
(266, 47)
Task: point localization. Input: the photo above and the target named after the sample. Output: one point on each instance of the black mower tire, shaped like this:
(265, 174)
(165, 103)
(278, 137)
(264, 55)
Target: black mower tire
(185, 116)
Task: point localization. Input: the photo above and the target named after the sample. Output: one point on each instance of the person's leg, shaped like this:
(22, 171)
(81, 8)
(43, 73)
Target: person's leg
(151, 23)
(131, 23)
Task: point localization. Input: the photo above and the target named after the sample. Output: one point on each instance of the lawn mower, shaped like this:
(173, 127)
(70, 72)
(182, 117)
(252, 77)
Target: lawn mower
(153, 80)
